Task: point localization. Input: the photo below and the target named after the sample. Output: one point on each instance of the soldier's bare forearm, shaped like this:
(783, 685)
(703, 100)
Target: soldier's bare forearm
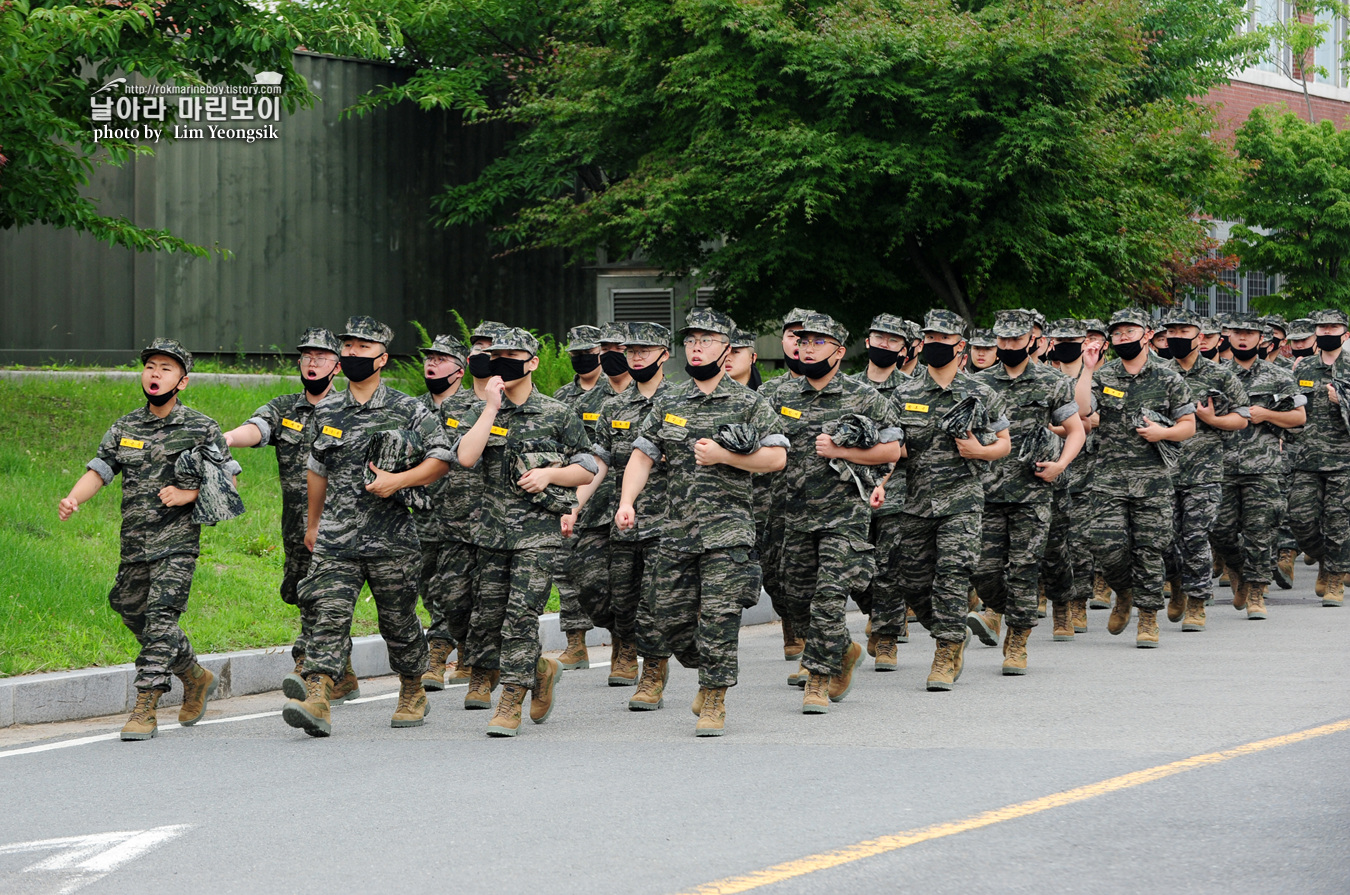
(585, 491)
(247, 435)
(424, 473)
(474, 441)
(573, 475)
(1288, 419)
(86, 486)
(317, 488)
(1074, 439)
(635, 477)
(766, 459)
(877, 455)
(1182, 429)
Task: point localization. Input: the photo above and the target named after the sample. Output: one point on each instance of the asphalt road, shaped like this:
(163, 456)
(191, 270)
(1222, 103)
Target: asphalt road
(602, 800)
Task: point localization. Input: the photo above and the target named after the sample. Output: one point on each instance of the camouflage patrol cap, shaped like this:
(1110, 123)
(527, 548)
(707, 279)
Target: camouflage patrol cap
(648, 334)
(1130, 317)
(1245, 323)
(170, 347)
(487, 329)
(1093, 325)
(983, 338)
(367, 329)
(708, 321)
(583, 338)
(1328, 317)
(1209, 326)
(1066, 328)
(318, 337)
(1180, 317)
(742, 339)
(515, 339)
(1011, 324)
(1302, 328)
(943, 321)
(1276, 321)
(1037, 319)
(796, 315)
(446, 344)
(889, 324)
(913, 331)
(614, 334)
(1224, 320)
(825, 325)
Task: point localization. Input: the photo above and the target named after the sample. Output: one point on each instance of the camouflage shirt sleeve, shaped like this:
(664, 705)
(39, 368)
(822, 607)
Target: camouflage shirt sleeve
(434, 437)
(577, 443)
(268, 419)
(1179, 398)
(996, 407)
(603, 443)
(105, 459)
(1062, 401)
(884, 411)
(317, 464)
(648, 438)
(1237, 394)
(768, 424)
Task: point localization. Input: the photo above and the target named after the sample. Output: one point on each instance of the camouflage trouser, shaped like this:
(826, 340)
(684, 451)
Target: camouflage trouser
(587, 569)
(1244, 535)
(885, 601)
(696, 599)
(1130, 535)
(297, 567)
(1012, 545)
(630, 566)
(150, 596)
(934, 568)
(1194, 517)
(1319, 514)
(1067, 567)
(447, 588)
(332, 586)
(769, 543)
(1285, 540)
(571, 617)
(513, 588)
(819, 570)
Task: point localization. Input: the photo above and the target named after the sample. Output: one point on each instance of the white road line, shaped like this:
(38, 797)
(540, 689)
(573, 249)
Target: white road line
(83, 859)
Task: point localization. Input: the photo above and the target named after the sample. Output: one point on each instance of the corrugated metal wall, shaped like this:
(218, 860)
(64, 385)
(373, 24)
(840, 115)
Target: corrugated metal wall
(330, 219)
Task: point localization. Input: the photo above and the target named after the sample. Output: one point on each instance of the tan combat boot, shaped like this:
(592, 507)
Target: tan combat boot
(623, 666)
(793, 646)
(699, 701)
(461, 670)
(842, 682)
(346, 688)
(546, 675)
(481, 685)
(293, 684)
(1041, 602)
(413, 707)
(199, 685)
(438, 652)
(1195, 615)
(1176, 600)
(1335, 594)
(1147, 635)
(1015, 650)
(650, 694)
(1323, 577)
(986, 624)
(312, 715)
(943, 673)
(1217, 570)
(871, 640)
(911, 617)
(506, 720)
(1284, 569)
(1063, 627)
(1256, 601)
(886, 654)
(798, 677)
(816, 697)
(712, 715)
(1239, 589)
(576, 656)
(903, 636)
(142, 725)
(972, 602)
(1101, 593)
(1120, 613)
(1078, 615)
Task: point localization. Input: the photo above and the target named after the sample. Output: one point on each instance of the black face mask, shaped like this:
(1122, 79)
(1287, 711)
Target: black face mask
(817, 369)
(509, 368)
(437, 386)
(159, 400)
(755, 379)
(1013, 357)
(1164, 352)
(357, 369)
(704, 372)
(1302, 352)
(1128, 350)
(1033, 349)
(882, 357)
(1066, 352)
(585, 363)
(1210, 353)
(794, 366)
(1262, 352)
(480, 366)
(1180, 347)
(1328, 343)
(938, 354)
(647, 372)
(1224, 345)
(319, 385)
(614, 362)
(1244, 353)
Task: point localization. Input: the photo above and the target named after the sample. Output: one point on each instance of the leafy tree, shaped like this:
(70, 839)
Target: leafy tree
(1183, 274)
(1293, 40)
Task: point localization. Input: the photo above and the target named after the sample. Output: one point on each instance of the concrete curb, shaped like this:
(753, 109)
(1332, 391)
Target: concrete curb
(92, 692)
(234, 379)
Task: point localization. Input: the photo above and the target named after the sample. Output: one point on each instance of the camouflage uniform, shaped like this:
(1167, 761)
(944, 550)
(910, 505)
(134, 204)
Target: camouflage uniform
(1066, 569)
(1319, 493)
(519, 533)
(705, 569)
(944, 500)
(826, 551)
(159, 544)
(1017, 516)
(1299, 329)
(363, 538)
(1132, 528)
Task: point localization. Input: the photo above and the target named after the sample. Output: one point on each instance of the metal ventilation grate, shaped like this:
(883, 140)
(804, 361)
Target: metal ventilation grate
(644, 306)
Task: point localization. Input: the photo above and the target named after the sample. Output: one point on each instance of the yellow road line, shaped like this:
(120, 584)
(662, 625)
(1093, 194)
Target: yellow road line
(872, 847)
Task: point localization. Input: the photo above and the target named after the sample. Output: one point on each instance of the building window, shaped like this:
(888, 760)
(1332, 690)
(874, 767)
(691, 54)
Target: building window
(1264, 13)
(1328, 55)
(644, 306)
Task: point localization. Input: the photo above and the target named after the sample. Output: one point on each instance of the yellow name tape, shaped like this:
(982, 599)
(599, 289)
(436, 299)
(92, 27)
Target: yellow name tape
(620, 424)
(498, 430)
(452, 422)
(131, 443)
(1306, 383)
(590, 417)
(329, 430)
(675, 420)
(790, 413)
(292, 424)
(917, 408)
(1113, 392)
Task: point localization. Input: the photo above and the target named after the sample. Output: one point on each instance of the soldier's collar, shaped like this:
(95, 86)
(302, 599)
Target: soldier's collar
(831, 387)
(530, 404)
(377, 400)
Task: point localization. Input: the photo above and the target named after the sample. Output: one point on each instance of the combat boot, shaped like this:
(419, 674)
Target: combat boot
(1239, 589)
(1176, 600)
(142, 725)
(346, 688)
(623, 665)
(712, 715)
(871, 640)
(438, 652)
(816, 698)
(842, 682)
(972, 602)
(312, 715)
(1284, 569)
(576, 656)
(903, 636)
(1323, 577)
(793, 646)
(1217, 570)
(699, 700)
(798, 677)
(546, 674)
(1335, 595)
(1195, 615)
(943, 674)
(199, 685)
(650, 694)
(1063, 627)
(293, 684)
(481, 685)
(886, 654)
(959, 657)
(460, 670)
(1041, 602)
(1120, 613)
(986, 625)
(413, 707)
(1078, 615)
(911, 617)
(506, 720)
(1147, 635)
(1256, 601)
(1015, 650)
(1101, 593)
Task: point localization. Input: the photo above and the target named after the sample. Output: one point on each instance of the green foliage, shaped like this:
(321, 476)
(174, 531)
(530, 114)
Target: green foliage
(1290, 44)
(555, 364)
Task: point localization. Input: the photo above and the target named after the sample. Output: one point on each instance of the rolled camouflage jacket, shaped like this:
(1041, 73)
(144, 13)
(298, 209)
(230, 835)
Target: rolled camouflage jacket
(1041, 396)
(587, 404)
(213, 471)
(398, 450)
(1323, 443)
(283, 423)
(1125, 462)
(1257, 449)
(454, 498)
(622, 415)
(895, 497)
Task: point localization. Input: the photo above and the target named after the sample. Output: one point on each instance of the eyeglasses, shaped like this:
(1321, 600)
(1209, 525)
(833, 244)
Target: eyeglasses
(313, 360)
(819, 343)
(881, 340)
(643, 350)
(703, 342)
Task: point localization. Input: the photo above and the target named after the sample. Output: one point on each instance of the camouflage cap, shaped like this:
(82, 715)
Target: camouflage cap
(742, 339)
(1066, 328)
(1037, 319)
(943, 321)
(583, 338)
(1130, 317)
(446, 344)
(171, 347)
(1094, 325)
(1180, 317)
(889, 324)
(708, 321)
(1245, 322)
(983, 338)
(825, 325)
(367, 329)
(487, 329)
(649, 334)
(318, 337)
(515, 339)
(1302, 328)
(1328, 317)
(614, 334)
(796, 315)
(913, 331)
(1276, 321)
(1209, 326)
(1012, 324)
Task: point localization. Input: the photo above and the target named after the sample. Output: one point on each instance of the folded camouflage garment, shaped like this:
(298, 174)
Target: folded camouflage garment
(214, 471)
(1276, 401)
(1169, 451)
(537, 453)
(399, 450)
(1342, 387)
(968, 415)
(853, 430)
(1222, 406)
(1040, 446)
(739, 438)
